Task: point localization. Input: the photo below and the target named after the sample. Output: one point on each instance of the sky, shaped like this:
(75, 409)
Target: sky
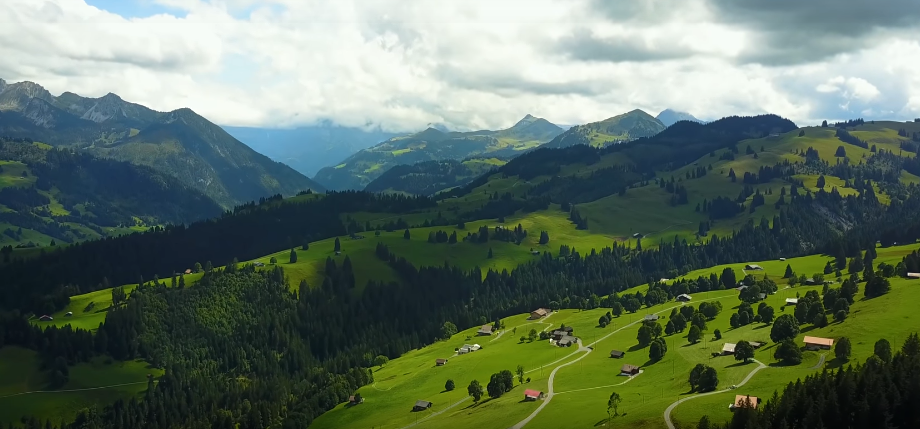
(472, 64)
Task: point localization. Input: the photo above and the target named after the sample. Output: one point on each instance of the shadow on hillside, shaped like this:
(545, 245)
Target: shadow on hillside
(781, 364)
(807, 329)
(635, 347)
(690, 344)
(761, 327)
(476, 404)
(741, 363)
(836, 363)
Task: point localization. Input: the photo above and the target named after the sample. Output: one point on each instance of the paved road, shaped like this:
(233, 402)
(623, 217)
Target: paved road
(820, 361)
(667, 411)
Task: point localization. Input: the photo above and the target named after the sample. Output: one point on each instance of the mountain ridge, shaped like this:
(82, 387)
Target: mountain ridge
(198, 153)
(669, 117)
(620, 128)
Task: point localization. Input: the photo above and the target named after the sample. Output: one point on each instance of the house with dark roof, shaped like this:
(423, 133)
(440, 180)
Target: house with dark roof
(355, 399)
(440, 362)
(421, 405)
(485, 330)
(754, 267)
(566, 341)
(46, 318)
(683, 297)
(538, 313)
(533, 395)
(629, 370)
(616, 354)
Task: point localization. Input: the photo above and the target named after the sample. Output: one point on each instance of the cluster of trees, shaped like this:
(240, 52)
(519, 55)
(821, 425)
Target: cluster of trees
(846, 137)
(745, 315)
(703, 378)
(442, 237)
(876, 392)
(581, 222)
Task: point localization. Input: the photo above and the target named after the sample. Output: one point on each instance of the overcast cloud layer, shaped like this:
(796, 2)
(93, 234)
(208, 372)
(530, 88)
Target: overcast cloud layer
(402, 64)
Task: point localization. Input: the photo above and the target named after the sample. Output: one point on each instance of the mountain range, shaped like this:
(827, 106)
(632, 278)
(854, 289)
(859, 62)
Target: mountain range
(180, 142)
(433, 144)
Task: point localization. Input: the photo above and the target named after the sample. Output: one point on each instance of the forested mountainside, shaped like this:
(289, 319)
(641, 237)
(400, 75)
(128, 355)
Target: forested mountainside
(358, 170)
(431, 177)
(180, 143)
(60, 195)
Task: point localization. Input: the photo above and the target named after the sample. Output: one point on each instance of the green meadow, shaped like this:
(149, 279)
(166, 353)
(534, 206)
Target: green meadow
(24, 385)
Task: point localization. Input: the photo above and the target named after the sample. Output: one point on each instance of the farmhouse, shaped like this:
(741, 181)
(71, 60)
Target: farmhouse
(566, 341)
(629, 370)
(421, 405)
(741, 399)
(782, 259)
(533, 395)
(475, 347)
(683, 297)
(650, 317)
(728, 349)
(534, 252)
(616, 354)
(913, 275)
(810, 281)
(753, 267)
(68, 314)
(440, 362)
(538, 313)
(485, 330)
(46, 318)
(756, 344)
(355, 400)
(818, 343)
(792, 301)
(663, 280)
(465, 349)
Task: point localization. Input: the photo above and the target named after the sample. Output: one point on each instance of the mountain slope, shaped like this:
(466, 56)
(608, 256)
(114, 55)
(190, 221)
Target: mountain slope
(668, 117)
(432, 144)
(430, 177)
(628, 126)
(180, 143)
(50, 194)
(308, 149)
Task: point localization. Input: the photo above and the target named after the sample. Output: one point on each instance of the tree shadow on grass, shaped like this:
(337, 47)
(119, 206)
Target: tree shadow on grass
(808, 329)
(781, 364)
(739, 363)
(836, 363)
(476, 404)
(636, 347)
(690, 344)
(761, 327)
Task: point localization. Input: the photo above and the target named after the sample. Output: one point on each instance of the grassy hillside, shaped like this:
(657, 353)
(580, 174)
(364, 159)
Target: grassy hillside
(431, 177)
(628, 126)
(362, 168)
(48, 195)
(24, 387)
(583, 386)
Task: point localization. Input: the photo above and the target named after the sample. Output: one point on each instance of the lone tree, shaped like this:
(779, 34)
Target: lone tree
(406, 234)
(883, 350)
(448, 329)
(843, 349)
(520, 374)
(694, 335)
(449, 385)
(744, 351)
(784, 328)
(293, 256)
(788, 352)
(338, 245)
(821, 182)
(381, 360)
(841, 152)
(475, 390)
(789, 274)
(613, 404)
(273, 260)
(544, 237)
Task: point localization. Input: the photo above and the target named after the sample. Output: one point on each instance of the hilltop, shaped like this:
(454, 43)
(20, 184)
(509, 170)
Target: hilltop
(621, 128)
(431, 177)
(669, 117)
(49, 195)
(180, 143)
(433, 144)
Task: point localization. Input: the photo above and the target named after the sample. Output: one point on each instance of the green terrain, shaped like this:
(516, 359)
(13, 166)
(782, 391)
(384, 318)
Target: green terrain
(362, 168)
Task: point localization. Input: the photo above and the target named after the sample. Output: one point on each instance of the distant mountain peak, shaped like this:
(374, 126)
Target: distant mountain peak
(670, 117)
(526, 120)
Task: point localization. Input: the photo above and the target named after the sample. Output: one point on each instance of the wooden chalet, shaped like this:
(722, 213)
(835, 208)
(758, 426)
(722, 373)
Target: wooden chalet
(538, 313)
(818, 343)
(792, 301)
(440, 362)
(566, 341)
(485, 330)
(742, 400)
(629, 370)
(683, 297)
(753, 267)
(728, 349)
(533, 395)
(616, 354)
(355, 400)
(421, 405)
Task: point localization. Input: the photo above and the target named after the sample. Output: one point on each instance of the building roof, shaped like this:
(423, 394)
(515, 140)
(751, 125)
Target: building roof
(539, 311)
(819, 341)
(756, 344)
(913, 275)
(728, 348)
(628, 368)
(651, 317)
(440, 360)
(422, 404)
(739, 399)
(792, 300)
(486, 328)
(530, 393)
(683, 296)
(567, 329)
(753, 267)
(616, 353)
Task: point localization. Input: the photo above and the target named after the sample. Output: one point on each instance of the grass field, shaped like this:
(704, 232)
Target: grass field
(24, 390)
(582, 388)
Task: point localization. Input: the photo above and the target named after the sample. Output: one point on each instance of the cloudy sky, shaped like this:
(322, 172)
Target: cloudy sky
(402, 64)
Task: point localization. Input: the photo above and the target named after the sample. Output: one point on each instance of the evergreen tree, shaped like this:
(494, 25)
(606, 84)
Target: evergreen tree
(337, 247)
(842, 349)
(293, 256)
(406, 234)
(449, 385)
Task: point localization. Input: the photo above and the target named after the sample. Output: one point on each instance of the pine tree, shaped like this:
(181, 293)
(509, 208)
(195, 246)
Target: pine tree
(293, 256)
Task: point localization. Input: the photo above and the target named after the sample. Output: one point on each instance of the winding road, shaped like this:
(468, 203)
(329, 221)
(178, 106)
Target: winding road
(667, 411)
(74, 390)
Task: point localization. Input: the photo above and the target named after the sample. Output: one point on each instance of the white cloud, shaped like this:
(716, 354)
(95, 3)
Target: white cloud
(470, 64)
